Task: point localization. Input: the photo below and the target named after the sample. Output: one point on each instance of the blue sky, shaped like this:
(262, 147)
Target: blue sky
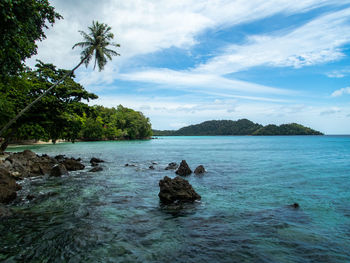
(187, 61)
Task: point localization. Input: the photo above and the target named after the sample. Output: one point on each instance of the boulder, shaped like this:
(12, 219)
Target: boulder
(60, 158)
(8, 187)
(183, 169)
(94, 164)
(58, 170)
(176, 190)
(151, 167)
(73, 164)
(171, 166)
(96, 169)
(96, 160)
(199, 170)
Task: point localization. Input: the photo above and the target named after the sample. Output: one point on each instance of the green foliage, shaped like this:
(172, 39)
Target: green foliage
(96, 44)
(55, 116)
(240, 127)
(286, 129)
(112, 124)
(22, 22)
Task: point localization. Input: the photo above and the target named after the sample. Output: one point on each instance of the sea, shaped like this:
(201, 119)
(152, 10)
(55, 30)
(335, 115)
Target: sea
(246, 213)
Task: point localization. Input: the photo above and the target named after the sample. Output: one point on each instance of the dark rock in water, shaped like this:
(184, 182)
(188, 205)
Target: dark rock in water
(154, 163)
(8, 187)
(96, 169)
(199, 170)
(151, 167)
(94, 164)
(131, 165)
(5, 212)
(30, 197)
(96, 160)
(171, 166)
(60, 158)
(27, 163)
(176, 190)
(183, 169)
(295, 205)
(58, 170)
(73, 164)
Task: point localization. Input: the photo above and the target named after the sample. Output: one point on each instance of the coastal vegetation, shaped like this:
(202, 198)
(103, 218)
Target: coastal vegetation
(239, 127)
(46, 103)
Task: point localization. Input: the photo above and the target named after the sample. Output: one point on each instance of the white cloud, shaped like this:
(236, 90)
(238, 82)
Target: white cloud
(338, 73)
(179, 79)
(341, 92)
(316, 42)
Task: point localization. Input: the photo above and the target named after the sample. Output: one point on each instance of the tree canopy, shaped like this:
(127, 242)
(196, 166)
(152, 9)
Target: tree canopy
(22, 23)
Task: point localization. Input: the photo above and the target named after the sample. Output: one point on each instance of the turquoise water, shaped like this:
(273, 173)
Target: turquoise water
(115, 215)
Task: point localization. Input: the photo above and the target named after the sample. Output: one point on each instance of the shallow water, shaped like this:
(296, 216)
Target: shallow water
(115, 215)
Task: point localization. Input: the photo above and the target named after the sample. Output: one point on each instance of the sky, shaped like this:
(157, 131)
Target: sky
(187, 61)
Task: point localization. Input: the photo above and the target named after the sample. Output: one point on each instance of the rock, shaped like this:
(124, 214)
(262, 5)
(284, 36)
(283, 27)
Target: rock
(27, 163)
(60, 158)
(199, 170)
(176, 190)
(73, 164)
(96, 160)
(131, 165)
(30, 197)
(58, 170)
(94, 164)
(96, 169)
(295, 205)
(154, 163)
(183, 169)
(151, 167)
(8, 187)
(171, 166)
(5, 212)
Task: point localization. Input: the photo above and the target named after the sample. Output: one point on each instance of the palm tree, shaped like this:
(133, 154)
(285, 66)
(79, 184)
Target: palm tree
(95, 44)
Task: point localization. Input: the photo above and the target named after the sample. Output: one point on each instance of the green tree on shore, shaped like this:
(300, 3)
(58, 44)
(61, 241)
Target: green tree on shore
(95, 44)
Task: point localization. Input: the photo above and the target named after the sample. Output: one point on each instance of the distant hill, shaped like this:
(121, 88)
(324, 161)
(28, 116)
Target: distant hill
(240, 127)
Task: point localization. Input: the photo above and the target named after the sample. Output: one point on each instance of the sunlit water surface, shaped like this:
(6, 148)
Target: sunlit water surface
(244, 214)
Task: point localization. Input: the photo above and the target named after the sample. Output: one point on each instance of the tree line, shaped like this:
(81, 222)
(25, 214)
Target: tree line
(239, 127)
(45, 102)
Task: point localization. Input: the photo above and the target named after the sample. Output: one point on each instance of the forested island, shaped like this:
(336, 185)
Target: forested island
(239, 127)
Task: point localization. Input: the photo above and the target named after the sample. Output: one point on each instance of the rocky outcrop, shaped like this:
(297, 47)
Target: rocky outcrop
(73, 164)
(176, 190)
(183, 169)
(58, 170)
(96, 160)
(199, 170)
(171, 166)
(8, 187)
(27, 163)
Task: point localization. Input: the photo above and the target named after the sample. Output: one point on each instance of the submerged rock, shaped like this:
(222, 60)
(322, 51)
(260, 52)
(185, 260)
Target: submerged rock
(58, 170)
(199, 170)
(176, 190)
(171, 166)
(5, 212)
(96, 169)
(151, 167)
(183, 169)
(295, 205)
(96, 160)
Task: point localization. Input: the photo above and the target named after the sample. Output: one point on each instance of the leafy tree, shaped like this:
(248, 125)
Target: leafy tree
(22, 23)
(95, 44)
(58, 115)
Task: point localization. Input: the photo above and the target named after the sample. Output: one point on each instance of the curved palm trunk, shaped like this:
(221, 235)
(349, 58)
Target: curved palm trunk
(12, 121)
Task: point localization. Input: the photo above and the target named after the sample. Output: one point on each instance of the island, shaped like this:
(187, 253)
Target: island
(239, 127)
